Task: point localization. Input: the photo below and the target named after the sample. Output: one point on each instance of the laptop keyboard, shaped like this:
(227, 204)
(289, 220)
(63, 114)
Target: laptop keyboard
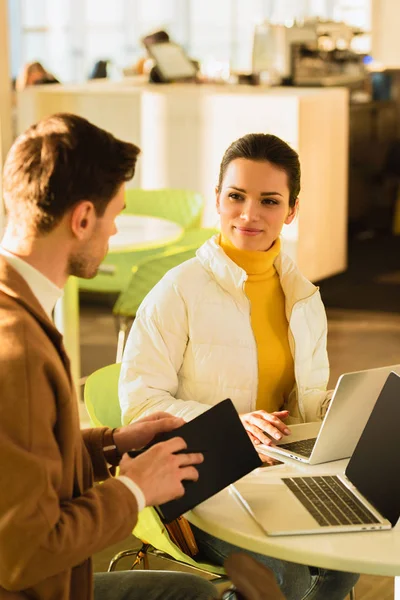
(329, 501)
(302, 447)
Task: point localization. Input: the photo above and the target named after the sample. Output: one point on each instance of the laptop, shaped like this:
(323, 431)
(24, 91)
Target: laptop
(365, 498)
(337, 435)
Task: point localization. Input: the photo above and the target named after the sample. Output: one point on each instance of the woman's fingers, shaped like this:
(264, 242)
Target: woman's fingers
(257, 433)
(282, 414)
(265, 426)
(274, 419)
(253, 438)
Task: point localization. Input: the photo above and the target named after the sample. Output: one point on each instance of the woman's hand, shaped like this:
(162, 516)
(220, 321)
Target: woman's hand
(259, 423)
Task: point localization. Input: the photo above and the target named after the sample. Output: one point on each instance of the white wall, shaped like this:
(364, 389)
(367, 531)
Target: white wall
(385, 32)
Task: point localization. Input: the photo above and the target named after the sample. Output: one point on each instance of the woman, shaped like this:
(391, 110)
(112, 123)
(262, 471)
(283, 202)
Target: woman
(239, 321)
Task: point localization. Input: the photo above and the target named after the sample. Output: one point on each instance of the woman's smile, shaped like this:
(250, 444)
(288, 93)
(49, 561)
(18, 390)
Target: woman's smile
(248, 230)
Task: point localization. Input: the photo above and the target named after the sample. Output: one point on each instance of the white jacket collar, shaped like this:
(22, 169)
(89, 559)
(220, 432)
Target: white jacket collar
(295, 286)
(232, 278)
(228, 274)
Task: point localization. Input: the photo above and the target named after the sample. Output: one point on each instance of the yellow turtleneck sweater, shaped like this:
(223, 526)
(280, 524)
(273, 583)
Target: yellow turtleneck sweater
(268, 321)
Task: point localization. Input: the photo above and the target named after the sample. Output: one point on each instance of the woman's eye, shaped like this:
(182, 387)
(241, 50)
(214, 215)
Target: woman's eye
(235, 196)
(269, 201)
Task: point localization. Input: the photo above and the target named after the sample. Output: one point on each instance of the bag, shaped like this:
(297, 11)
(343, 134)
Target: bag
(181, 534)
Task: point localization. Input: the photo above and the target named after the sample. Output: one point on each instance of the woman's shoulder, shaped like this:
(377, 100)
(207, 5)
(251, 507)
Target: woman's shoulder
(185, 282)
(296, 286)
(190, 273)
(287, 268)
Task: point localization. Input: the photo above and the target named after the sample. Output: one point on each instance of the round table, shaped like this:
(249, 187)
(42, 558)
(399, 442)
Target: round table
(135, 232)
(138, 232)
(374, 553)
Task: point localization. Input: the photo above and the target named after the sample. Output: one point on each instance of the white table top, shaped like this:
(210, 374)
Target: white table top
(137, 232)
(376, 553)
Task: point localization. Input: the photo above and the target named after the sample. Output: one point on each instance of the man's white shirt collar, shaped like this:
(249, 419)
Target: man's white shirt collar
(46, 292)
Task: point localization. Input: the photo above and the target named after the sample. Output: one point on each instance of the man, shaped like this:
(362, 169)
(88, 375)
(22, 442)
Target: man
(63, 188)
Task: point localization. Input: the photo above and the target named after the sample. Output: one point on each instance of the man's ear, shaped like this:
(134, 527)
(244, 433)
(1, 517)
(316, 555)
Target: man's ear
(292, 213)
(217, 194)
(83, 220)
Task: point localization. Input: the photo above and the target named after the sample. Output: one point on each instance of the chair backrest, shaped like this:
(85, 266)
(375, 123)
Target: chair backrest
(145, 276)
(180, 206)
(193, 237)
(101, 397)
(101, 400)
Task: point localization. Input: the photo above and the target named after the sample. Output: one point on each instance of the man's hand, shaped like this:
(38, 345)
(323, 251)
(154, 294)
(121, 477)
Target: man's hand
(159, 471)
(260, 422)
(140, 433)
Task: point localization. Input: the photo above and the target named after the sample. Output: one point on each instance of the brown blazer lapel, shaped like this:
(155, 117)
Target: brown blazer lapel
(15, 286)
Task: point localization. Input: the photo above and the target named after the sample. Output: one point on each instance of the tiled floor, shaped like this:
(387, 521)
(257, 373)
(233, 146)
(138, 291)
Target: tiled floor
(357, 340)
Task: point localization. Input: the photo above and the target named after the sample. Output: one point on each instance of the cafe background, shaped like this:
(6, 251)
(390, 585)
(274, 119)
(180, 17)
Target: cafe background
(348, 235)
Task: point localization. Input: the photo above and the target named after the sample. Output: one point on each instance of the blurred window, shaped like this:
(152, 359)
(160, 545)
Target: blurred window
(70, 36)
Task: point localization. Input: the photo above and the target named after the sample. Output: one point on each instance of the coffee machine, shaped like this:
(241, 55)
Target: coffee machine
(272, 48)
(314, 53)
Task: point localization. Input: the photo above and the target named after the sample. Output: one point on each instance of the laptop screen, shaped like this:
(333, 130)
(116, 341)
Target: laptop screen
(374, 468)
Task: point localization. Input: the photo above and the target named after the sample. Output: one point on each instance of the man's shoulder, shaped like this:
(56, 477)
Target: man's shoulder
(12, 309)
(13, 314)
(17, 326)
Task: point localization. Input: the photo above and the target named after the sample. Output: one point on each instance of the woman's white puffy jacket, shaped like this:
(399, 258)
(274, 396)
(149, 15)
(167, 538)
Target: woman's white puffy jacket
(192, 344)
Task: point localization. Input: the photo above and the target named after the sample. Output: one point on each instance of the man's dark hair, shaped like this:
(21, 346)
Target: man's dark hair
(59, 162)
(265, 147)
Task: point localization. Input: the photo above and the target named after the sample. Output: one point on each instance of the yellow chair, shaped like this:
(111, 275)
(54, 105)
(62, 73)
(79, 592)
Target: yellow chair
(101, 400)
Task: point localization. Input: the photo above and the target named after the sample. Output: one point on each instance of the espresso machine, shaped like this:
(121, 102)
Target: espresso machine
(314, 53)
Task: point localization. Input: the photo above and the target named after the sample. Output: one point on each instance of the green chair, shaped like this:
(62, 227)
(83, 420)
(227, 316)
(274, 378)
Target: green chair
(144, 277)
(183, 207)
(180, 206)
(193, 237)
(140, 283)
(101, 400)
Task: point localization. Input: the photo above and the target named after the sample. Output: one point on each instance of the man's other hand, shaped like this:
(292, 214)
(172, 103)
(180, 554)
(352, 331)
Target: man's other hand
(141, 432)
(159, 471)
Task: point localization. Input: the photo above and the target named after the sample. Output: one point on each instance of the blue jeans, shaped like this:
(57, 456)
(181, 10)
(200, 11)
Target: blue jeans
(152, 585)
(297, 582)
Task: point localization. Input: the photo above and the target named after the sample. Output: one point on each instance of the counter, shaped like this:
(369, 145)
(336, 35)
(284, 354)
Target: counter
(184, 129)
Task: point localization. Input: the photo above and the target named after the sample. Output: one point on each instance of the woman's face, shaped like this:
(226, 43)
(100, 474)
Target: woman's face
(253, 204)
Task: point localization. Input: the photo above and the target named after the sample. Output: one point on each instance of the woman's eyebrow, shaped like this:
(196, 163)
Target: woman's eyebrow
(238, 189)
(271, 194)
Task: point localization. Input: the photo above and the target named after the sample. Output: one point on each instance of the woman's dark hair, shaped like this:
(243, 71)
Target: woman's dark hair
(59, 162)
(265, 147)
